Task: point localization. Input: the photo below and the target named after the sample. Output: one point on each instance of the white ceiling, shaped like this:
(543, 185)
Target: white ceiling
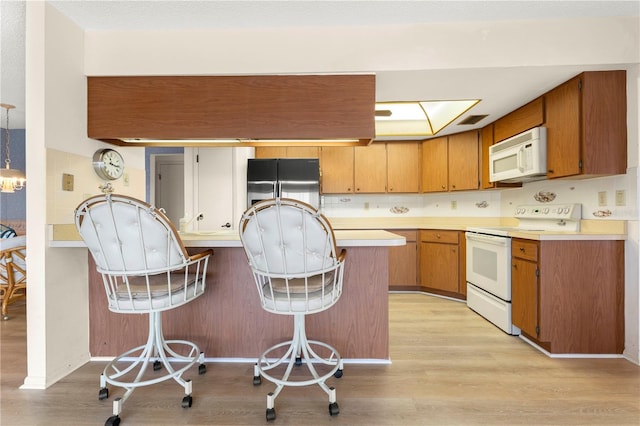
(495, 84)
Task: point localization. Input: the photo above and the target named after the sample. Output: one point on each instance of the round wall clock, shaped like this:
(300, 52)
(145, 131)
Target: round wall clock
(108, 164)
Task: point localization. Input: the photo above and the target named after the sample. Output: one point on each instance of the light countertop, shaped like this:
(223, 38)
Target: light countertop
(67, 236)
(370, 231)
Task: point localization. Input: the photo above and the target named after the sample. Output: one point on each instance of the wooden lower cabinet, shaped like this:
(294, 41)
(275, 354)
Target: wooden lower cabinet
(442, 259)
(403, 262)
(568, 296)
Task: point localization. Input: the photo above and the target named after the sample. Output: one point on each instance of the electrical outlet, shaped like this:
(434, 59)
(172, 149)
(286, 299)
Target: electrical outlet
(602, 198)
(454, 205)
(621, 198)
(125, 179)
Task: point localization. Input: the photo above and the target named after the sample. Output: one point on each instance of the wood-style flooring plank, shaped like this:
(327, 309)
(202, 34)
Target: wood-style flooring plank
(449, 367)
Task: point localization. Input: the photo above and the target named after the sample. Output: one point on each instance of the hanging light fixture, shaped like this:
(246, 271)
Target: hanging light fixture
(11, 180)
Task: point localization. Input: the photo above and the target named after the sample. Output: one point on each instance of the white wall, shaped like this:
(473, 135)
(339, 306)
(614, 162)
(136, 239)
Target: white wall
(57, 306)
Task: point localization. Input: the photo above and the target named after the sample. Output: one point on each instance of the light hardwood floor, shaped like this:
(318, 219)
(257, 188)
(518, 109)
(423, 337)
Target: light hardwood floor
(449, 367)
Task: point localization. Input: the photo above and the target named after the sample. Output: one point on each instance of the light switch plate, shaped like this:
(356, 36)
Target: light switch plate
(621, 198)
(67, 182)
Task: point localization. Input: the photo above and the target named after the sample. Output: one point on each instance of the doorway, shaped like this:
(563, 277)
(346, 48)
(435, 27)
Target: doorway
(168, 184)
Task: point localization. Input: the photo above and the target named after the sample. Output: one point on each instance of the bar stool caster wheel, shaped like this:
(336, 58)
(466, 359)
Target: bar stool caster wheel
(187, 401)
(334, 410)
(103, 394)
(271, 414)
(202, 369)
(337, 374)
(257, 381)
(112, 421)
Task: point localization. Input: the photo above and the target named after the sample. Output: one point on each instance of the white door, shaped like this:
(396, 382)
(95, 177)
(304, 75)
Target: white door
(214, 188)
(169, 185)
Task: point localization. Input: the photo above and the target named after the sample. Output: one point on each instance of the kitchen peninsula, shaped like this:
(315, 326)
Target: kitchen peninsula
(228, 322)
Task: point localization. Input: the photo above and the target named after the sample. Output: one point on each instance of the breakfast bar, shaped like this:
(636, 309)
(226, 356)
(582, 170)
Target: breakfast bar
(227, 322)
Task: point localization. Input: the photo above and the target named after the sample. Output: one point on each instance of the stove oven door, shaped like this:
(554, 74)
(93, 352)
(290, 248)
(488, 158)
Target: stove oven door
(488, 263)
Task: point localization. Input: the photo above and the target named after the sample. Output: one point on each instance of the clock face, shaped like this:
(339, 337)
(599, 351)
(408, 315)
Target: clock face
(108, 164)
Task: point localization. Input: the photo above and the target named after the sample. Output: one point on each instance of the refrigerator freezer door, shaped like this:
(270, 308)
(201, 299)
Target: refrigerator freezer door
(299, 178)
(262, 175)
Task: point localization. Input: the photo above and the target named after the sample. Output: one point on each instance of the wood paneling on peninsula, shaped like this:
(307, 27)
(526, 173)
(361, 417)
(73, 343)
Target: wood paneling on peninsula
(228, 322)
(251, 107)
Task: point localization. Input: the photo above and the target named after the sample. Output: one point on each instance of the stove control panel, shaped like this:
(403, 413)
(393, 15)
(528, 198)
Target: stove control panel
(568, 212)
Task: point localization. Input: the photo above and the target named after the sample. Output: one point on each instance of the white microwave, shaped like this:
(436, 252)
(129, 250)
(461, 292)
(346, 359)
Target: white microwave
(521, 158)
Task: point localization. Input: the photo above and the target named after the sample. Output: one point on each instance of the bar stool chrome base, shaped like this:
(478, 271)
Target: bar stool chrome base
(127, 370)
(299, 352)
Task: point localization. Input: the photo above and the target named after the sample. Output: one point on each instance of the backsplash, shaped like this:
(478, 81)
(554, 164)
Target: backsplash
(496, 203)
(458, 204)
(591, 193)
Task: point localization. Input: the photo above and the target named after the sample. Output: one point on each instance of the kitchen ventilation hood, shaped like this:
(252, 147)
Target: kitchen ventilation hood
(259, 110)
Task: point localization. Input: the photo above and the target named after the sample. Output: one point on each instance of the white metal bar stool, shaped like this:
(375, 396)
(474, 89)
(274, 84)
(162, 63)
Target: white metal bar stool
(293, 256)
(145, 269)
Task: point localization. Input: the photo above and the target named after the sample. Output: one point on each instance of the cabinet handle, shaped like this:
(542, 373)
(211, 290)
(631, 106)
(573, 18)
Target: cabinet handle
(549, 171)
(453, 186)
(442, 186)
(522, 249)
(515, 266)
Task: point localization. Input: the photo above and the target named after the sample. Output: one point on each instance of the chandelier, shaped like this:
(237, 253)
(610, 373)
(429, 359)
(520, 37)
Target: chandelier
(11, 180)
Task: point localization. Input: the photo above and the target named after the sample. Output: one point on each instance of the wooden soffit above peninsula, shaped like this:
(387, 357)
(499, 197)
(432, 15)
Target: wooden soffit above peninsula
(257, 110)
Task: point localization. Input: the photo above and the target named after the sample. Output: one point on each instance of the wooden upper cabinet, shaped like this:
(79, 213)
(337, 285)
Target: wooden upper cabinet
(370, 168)
(435, 165)
(463, 161)
(336, 169)
(486, 140)
(287, 152)
(586, 126)
(403, 167)
(524, 118)
(271, 152)
(450, 163)
(252, 107)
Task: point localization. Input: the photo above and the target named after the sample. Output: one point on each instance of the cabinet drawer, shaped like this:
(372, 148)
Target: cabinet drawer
(409, 235)
(439, 236)
(527, 250)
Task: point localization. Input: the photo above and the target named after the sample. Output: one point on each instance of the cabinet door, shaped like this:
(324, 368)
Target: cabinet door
(463, 161)
(439, 266)
(302, 152)
(336, 168)
(563, 129)
(403, 261)
(403, 168)
(286, 152)
(370, 168)
(435, 165)
(486, 140)
(524, 295)
(524, 118)
(271, 152)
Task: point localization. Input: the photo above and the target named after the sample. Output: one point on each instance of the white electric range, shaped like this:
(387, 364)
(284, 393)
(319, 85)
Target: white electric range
(488, 262)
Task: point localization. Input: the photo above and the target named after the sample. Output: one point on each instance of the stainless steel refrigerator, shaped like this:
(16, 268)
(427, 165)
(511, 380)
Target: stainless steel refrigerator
(297, 178)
